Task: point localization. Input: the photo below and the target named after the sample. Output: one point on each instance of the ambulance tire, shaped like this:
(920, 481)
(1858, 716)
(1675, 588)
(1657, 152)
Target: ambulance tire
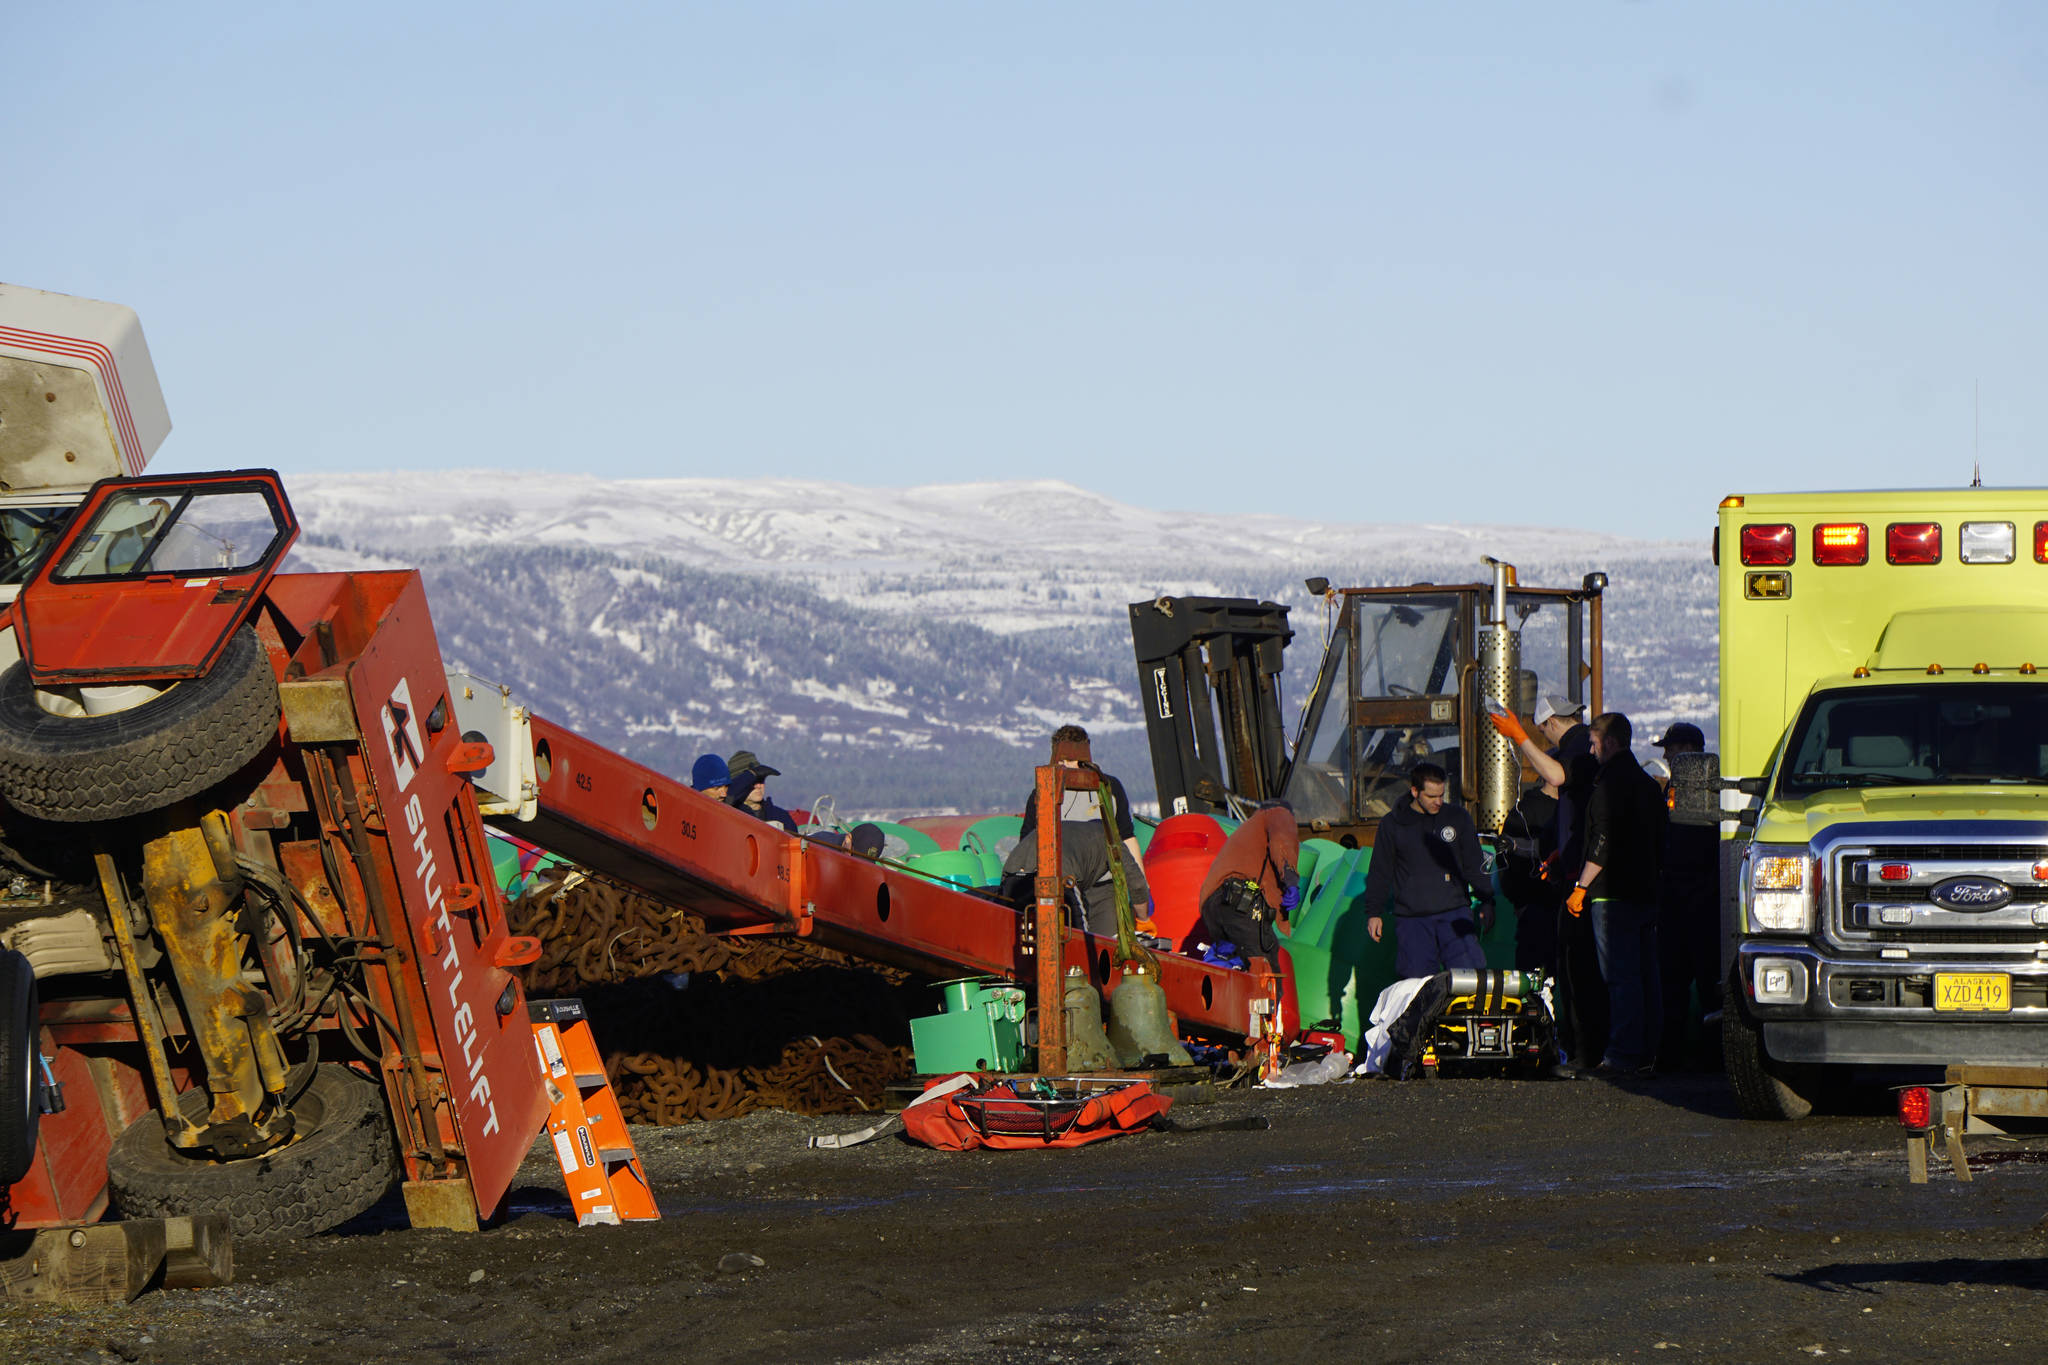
(177, 744)
(1760, 1084)
(20, 1108)
(342, 1160)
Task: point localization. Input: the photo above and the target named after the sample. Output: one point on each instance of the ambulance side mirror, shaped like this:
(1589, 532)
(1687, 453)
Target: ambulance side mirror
(1696, 787)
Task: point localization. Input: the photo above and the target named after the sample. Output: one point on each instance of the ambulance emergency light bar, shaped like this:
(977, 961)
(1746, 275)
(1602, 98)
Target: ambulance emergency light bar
(1776, 544)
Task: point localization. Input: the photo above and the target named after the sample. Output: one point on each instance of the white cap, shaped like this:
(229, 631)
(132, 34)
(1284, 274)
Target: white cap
(1548, 706)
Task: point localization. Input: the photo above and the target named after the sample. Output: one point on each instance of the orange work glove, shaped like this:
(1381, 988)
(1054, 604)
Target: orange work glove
(1576, 901)
(1506, 723)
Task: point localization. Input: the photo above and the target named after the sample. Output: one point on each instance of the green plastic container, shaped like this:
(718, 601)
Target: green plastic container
(948, 865)
(982, 1029)
(901, 841)
(995, 834)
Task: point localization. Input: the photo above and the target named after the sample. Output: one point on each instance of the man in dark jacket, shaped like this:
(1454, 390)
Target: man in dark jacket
(1624, 836)
(1688, 916)
(1567, 764)
(1426, 860)
(749, 790)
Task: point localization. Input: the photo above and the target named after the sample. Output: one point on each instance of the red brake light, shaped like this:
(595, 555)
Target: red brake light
(1912, 542)
(1843, 543)
(1895, 872)
(2041, 542)
(1768, 544)
(1916, 1108)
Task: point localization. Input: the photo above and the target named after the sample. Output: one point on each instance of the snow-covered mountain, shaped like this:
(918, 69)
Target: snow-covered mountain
(907, 649)
(991, 554)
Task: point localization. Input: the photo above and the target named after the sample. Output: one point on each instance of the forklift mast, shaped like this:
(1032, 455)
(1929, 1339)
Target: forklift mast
(1189, 648)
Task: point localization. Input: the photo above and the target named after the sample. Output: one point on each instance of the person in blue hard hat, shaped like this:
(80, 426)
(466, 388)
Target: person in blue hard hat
(711, 776)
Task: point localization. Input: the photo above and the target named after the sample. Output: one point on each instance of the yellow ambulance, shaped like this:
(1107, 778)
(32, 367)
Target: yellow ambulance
(1884, 785)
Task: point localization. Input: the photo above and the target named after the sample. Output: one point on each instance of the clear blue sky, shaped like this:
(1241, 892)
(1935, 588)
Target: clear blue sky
(1574, 264)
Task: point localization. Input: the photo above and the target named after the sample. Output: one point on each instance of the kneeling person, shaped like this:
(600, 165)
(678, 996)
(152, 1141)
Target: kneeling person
(1426, 860)
(1253, 883)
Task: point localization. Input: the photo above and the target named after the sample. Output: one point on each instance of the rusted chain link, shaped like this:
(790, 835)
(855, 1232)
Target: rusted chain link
(760, 1023)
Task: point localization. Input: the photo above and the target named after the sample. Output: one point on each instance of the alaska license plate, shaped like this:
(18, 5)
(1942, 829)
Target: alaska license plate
(1976, 992)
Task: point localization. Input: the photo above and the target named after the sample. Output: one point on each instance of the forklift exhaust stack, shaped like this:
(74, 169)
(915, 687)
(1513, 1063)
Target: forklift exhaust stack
(1497, 678)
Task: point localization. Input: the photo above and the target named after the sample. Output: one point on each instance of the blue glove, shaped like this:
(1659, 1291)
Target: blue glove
(1290, 898)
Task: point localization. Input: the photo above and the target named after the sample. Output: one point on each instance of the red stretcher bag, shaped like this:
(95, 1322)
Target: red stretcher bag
(1018, 1113)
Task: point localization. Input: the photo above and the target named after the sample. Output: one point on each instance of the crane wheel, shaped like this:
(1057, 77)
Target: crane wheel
(89, 768)
(341, 1161)
(20, 1112)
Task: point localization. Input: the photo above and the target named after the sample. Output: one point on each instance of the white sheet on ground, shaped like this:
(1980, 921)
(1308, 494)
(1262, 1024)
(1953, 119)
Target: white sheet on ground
(1385, 1010)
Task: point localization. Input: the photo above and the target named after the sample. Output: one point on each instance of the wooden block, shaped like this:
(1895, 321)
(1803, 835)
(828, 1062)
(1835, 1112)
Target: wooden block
(199, 1252)
(441, 1204)
(100, 1264)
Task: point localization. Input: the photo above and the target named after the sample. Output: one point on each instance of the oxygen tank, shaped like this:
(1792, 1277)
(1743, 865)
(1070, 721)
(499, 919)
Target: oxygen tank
(1495, 983)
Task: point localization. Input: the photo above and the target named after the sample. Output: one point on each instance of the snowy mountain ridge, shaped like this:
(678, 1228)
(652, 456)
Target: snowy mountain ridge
(975, 552)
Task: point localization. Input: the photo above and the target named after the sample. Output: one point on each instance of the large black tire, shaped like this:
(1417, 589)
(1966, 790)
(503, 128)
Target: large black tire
(20, 1113)
(1760, 1084)
(86, 768)
(341, 1162)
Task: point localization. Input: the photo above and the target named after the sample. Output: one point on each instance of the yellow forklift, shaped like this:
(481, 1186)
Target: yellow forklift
(1406, 677)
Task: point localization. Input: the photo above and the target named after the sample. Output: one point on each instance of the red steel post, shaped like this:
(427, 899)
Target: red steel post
(1051, 938)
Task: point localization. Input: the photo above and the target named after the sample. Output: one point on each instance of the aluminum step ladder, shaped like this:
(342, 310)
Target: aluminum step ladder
(600, 1169)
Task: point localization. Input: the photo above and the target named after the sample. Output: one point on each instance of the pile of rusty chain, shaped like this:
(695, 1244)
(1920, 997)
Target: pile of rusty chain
(695, 1026)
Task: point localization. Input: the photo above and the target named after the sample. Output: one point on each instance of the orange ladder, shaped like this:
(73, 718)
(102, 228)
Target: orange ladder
(599, 1166)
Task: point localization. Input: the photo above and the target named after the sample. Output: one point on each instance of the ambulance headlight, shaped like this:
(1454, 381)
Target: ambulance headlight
(1782, 888)
(1986, 542)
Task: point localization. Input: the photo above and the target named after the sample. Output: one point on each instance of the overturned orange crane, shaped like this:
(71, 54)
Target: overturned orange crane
(245, 831)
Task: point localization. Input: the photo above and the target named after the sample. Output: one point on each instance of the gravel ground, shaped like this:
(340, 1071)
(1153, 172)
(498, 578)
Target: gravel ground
(1448, 1220)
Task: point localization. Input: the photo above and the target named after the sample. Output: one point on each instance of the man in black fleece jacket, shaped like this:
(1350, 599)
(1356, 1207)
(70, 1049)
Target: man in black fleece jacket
(1624, 835)
(1426, 859)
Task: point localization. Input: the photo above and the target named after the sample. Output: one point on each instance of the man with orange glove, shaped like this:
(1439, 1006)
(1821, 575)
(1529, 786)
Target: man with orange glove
(1618, 884)
(1568, 765)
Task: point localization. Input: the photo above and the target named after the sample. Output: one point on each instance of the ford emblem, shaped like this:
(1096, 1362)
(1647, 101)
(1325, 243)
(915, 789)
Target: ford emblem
(1971, 893)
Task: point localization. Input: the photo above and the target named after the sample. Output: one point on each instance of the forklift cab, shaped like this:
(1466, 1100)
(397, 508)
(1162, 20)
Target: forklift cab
(1403, 681)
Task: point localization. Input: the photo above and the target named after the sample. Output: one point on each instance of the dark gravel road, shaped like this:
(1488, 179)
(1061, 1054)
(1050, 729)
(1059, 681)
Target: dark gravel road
(1449, 1220)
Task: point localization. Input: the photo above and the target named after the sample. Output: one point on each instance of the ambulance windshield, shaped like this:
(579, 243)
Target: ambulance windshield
(1918, 735)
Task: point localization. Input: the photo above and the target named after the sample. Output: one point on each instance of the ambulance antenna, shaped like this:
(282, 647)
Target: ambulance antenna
(1976, 427)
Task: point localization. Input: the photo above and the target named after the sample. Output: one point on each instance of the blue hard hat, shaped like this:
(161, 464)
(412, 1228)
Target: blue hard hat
(709, 771)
